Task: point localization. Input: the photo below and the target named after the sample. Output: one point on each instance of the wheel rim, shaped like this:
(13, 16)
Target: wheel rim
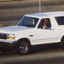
(23, 48)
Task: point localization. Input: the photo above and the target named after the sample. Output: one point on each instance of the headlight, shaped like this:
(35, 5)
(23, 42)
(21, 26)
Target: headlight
(10, 36)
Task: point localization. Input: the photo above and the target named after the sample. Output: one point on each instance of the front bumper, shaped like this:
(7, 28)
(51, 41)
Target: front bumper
(7, 45)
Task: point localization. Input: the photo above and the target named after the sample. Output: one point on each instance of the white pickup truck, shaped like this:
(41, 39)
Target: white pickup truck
(30, 31)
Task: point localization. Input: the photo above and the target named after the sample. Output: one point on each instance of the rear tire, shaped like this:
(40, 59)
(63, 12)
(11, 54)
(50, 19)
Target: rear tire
(22, 48)
(62, 43)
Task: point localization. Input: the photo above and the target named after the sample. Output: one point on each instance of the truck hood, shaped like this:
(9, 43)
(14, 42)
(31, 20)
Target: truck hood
(12, 28)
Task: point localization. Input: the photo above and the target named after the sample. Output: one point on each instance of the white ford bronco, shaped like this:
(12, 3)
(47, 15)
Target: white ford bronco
(34, 29)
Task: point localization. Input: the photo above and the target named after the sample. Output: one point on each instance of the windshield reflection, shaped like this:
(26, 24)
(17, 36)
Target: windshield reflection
(28, 21)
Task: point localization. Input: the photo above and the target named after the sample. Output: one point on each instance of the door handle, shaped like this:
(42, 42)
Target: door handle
(31, 35)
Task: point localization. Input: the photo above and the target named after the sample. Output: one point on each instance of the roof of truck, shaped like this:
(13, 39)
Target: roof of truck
(57, 13)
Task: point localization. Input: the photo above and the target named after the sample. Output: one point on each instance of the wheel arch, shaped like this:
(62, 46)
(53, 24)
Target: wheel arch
(24, 39)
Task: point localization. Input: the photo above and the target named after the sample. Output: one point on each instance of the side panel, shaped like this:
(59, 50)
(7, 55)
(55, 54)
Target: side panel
(44, 37)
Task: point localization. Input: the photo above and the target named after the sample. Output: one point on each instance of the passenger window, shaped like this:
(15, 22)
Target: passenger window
(60, 20)
(45, 24)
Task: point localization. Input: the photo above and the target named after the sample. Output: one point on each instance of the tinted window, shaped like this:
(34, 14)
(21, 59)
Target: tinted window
(60, 20)
(28, 21)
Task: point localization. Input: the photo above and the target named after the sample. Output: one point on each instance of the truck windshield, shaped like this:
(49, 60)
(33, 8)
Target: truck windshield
(28, 21)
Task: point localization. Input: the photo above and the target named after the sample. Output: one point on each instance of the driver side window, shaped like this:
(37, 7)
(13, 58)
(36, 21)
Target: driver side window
(45, 24)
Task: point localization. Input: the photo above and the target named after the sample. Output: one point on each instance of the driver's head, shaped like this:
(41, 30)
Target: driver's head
(45, 21)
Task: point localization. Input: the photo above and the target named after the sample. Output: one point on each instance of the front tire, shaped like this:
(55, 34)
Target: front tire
(23, 48)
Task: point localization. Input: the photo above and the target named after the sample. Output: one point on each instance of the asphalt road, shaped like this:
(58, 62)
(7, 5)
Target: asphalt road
(43, 54)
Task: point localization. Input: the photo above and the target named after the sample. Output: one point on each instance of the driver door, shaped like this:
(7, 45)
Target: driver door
(44, 36)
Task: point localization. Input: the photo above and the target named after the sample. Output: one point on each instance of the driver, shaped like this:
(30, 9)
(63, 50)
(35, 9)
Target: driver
(45, 24)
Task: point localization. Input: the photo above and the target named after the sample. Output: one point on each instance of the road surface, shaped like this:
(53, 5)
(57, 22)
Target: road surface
(43, 54)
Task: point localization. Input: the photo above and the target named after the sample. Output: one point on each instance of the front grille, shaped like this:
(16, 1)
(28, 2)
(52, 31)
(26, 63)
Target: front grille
(3, 36)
